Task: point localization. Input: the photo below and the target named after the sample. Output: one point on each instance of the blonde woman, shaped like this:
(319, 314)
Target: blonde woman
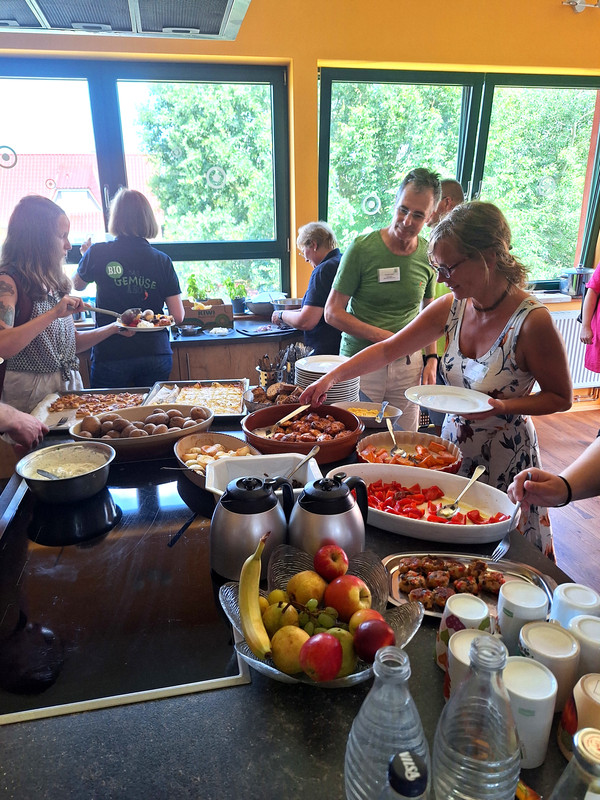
(130, 273)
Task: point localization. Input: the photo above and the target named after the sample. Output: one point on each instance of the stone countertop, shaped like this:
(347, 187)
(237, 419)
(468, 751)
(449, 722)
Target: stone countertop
(262, 740)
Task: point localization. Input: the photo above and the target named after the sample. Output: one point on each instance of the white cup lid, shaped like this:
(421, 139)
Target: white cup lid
(528, 678)
(586, 627)
(522, 593)
(578, 595)
(467, 606)
(549, 639)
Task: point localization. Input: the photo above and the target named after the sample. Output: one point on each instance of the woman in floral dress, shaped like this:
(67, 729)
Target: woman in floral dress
(499, 340)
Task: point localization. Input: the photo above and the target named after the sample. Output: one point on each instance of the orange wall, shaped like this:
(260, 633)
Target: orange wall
(537, 36)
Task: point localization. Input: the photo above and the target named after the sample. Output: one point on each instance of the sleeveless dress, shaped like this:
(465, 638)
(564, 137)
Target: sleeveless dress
(505, 444)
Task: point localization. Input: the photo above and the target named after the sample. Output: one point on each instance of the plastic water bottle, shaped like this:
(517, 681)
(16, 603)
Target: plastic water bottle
(476, 750)
(408, 778)
(581, 778)
(387, 723)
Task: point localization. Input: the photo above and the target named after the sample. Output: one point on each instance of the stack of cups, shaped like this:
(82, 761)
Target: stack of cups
(550, 644)
(459, 648)
(518, 603)
(461, 611)
(532, 689)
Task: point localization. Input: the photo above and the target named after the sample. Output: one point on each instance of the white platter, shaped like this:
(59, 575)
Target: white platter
(449, 399)
(488, 499)
(220, 472)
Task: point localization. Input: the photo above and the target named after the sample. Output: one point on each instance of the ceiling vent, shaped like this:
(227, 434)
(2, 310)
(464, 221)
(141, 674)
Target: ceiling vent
(188, 19)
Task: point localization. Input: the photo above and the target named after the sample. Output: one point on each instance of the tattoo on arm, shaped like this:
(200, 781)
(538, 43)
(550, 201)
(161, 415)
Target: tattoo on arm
(7, 315)
(6, 288)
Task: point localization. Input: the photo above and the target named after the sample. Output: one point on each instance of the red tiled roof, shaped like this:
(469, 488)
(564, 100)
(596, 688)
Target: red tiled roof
(48, 174)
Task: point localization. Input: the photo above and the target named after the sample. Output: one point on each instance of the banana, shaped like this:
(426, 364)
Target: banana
(253, 627)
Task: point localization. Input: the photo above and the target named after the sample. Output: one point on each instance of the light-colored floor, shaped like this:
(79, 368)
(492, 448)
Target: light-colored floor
(576, 527)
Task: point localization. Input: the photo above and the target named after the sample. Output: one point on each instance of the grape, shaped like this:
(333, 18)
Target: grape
(332, 612)
(303, 618)
(320, 630)
(325, 621)
(309, 627)
(312, 604)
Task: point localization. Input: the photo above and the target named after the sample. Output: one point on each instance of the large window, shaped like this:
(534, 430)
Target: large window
(530, 145)
(206, 144)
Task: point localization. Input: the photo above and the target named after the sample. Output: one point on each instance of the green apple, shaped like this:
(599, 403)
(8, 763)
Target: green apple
(346, 639)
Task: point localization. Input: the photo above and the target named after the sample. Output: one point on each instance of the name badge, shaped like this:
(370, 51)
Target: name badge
(388, 275)
(475, 371)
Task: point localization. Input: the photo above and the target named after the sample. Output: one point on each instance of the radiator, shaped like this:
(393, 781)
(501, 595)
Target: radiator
(570, 330)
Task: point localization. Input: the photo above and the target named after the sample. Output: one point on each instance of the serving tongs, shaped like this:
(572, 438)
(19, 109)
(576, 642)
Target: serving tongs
(110, 313)
(449, 509)
(295, 412)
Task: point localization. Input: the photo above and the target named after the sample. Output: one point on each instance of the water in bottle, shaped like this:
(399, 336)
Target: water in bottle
(387, 723)
(476, 751)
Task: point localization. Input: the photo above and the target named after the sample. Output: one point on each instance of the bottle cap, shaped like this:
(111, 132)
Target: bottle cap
(586, 747)
(407, 774)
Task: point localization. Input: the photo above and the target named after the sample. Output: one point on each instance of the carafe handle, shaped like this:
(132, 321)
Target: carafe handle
(355, 482)
(288, 495)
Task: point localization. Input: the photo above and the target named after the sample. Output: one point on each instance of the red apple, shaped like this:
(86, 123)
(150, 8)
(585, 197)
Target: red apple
(362, 615)
(330, 562)
(321, 657)
(370, 636)
(347, 594)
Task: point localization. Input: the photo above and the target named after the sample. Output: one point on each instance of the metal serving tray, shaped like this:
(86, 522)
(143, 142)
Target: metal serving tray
(52, 418)
(511, 570)
(165, 392)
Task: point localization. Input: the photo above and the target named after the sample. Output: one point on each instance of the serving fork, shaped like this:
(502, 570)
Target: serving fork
(504, 544)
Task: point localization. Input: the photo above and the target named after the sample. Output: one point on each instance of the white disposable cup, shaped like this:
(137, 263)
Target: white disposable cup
(459, 647)
(571, 600)
(461, 611)
(519, 602)
(586, 629)
(532, 689)
(556, 648)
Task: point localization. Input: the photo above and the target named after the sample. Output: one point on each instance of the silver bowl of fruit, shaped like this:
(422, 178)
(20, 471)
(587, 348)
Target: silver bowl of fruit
(293, 615)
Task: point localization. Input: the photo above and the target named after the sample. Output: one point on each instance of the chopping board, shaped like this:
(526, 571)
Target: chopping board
(253, 328)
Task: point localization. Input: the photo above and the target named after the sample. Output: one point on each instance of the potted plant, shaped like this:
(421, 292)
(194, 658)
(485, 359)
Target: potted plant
(199, 289)
(237, 294)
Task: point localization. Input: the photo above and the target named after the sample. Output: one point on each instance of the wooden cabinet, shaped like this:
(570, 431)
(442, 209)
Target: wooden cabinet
(237, 359)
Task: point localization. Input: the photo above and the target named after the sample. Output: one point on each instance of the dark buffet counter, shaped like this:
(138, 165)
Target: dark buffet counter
(262, 739)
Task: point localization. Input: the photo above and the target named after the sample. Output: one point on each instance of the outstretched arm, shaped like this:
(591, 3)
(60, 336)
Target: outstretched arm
(547, 489)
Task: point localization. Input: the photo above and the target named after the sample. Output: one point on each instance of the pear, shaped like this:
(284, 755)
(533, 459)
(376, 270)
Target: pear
(277, 615)
(285, 648)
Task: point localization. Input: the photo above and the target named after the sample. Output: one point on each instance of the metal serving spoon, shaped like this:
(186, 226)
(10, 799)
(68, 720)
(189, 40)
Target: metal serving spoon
(395, 449)
(45, 474)
(379, 416)
(307, 457)
(450, 509)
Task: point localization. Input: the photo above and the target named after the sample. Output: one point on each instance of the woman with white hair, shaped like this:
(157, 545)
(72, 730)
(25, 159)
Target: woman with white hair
(317, 243)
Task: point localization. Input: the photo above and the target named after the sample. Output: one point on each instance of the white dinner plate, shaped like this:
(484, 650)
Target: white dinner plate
(320, 365)
(137, 329)
(449, 399)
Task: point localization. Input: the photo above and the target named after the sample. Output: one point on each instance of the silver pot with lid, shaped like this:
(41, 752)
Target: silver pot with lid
(573, 281)
(327, 513)
(245, 512)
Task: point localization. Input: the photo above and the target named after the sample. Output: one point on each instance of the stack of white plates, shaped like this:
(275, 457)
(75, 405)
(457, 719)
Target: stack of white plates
(311, 368)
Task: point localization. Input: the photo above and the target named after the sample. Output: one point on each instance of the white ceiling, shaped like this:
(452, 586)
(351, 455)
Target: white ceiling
(188, 19)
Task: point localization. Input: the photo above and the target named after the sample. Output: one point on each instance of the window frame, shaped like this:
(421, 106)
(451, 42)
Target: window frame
(102, 78)
(476, 111)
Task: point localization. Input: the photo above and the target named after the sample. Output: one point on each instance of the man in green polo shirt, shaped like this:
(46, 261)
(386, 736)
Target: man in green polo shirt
(383, 281)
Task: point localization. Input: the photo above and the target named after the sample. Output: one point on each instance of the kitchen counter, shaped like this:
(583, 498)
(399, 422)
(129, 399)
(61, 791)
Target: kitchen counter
(260, 740)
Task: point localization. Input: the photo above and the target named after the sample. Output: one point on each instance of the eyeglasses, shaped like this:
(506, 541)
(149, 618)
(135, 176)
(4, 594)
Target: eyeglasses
(403, 211)
(445, 272)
